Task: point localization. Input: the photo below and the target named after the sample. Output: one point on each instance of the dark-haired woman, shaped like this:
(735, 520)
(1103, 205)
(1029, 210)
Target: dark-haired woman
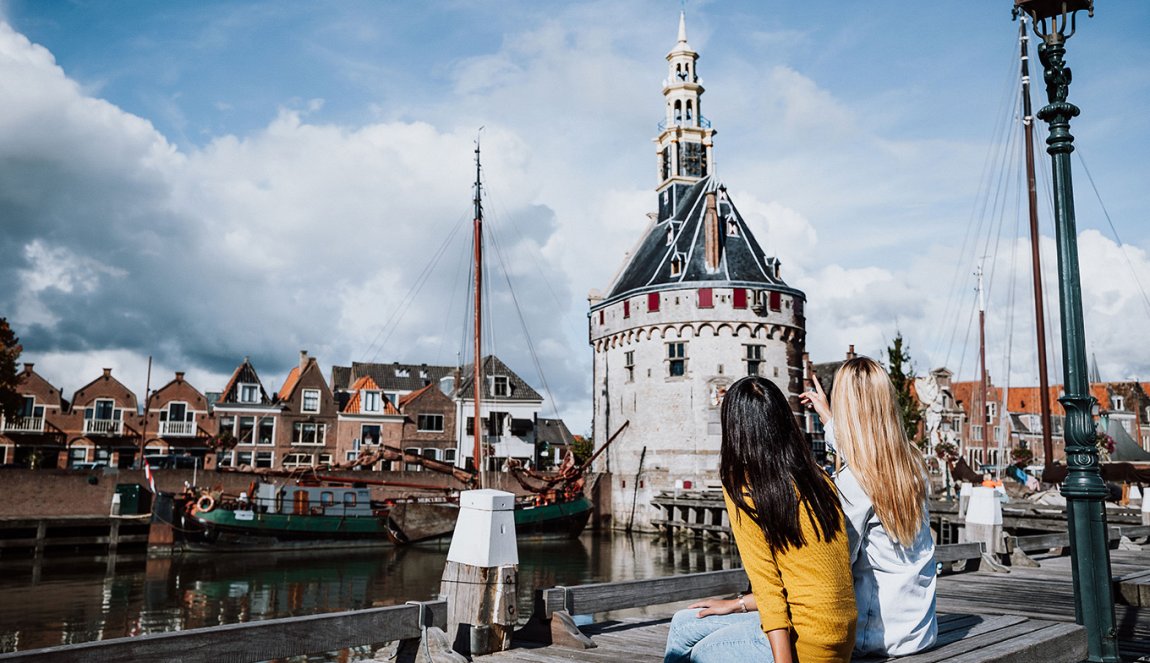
(788, 525)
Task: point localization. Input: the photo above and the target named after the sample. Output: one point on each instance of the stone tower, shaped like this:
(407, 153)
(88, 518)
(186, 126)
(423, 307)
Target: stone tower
(697, 305)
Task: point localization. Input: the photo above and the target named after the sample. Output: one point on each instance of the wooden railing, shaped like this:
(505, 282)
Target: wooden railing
(258, 641)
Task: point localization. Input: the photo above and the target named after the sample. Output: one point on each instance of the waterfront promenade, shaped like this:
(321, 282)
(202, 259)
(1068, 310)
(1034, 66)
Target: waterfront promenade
(1020, 616)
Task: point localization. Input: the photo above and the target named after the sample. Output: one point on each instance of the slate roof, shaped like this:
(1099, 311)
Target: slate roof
(492, 365)
(553, 432)
(742, 260)
(390, 377)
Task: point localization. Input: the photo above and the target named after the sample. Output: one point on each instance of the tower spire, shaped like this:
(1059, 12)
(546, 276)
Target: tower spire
(685, 135)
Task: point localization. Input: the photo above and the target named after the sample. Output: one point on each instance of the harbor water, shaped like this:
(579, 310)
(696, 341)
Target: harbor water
(51, 600)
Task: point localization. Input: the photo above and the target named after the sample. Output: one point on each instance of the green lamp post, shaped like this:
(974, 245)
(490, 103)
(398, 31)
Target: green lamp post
(1085, 492)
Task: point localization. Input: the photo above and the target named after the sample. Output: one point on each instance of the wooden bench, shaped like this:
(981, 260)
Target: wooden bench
(962, 638)
(267, 639)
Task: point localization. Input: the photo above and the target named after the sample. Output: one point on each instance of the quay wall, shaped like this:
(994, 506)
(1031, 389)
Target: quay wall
(39, 493)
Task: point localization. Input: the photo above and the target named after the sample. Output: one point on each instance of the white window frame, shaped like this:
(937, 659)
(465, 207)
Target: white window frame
(372, 401)
(319, 434)
(311, 395)
(247, 392)
(500, 386)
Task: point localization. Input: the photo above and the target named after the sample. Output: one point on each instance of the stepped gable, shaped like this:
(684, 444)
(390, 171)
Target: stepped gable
(245, 373)
(683, 236)
(492, 365)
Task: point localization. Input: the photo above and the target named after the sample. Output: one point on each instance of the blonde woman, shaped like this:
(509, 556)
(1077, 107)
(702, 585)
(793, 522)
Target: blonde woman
(883, 489)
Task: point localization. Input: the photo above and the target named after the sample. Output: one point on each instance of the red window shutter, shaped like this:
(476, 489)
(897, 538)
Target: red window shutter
(626, 308)
(740, 298)
(653, 302)
(705, 299)
(776, 301)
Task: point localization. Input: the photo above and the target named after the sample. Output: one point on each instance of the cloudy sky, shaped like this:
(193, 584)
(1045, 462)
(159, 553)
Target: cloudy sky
(204, 181)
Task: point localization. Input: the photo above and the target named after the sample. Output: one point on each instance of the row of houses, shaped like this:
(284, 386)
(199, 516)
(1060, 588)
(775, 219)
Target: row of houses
(309, 421)
(952, 417)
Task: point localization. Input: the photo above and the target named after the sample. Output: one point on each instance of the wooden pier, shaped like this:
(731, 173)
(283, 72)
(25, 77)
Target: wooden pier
(73, 534)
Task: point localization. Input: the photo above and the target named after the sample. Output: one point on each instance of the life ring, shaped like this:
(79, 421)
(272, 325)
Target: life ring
(205, 503)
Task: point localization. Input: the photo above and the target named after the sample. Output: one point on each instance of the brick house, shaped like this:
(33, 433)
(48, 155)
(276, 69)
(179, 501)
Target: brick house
(246, 421)
(429, 417)
(34, 433)
(177, 420)
(365, 421)
(308, 416)
(103, 425)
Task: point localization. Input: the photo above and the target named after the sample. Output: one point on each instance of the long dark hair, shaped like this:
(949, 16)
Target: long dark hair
(767, 458)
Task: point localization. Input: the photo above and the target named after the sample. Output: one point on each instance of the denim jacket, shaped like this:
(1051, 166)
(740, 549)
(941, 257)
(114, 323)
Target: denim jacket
(894, 585)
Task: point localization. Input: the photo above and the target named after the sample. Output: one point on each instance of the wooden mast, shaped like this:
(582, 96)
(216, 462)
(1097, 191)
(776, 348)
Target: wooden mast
(1036, 266)
(982, 362)
(476, 385)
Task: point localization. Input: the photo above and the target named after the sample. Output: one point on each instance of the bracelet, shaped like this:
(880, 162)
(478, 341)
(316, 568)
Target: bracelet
(742, 603)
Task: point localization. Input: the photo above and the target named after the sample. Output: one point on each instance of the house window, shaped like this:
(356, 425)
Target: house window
(740, 297)
(706, 298)
(753, 355)
(653, 302)
(732, 228)
(243, 458)
(371, 401)
(311, 400)
(629, 364)
(299, 460)
(176, 412)
(677, 264)
(249, 393)
(1117, 403)
(265, 459)
(976, 433)
(267, 431)
(626, 308)
(449, 456)
(104, 409)
(325, 459)
(306, 432)
(470, 429)
(225, 459)
(991, 410)
(351, 456)
(412, 467)
(600, 316)
(431, 454)
(496, 421)
(776, 301)
(677, 359)
(391, 397)
(369, 434)
(500, 386)
(430, 423)
(245, 430)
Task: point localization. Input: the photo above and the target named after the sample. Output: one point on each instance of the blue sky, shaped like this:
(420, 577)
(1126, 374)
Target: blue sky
(205, 181)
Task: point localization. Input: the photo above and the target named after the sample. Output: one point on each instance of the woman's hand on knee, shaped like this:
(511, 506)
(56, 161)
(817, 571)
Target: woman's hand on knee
(717, 607)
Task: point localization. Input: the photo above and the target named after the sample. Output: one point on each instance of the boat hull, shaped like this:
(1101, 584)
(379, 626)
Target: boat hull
(225, 529)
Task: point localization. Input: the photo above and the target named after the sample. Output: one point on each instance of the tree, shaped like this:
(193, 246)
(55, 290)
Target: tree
(581, 448)
(10, 398)
(902, 375)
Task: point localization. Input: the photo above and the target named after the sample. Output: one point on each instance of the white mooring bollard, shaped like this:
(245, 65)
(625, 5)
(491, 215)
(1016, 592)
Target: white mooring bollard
(481, 574)
(1146, 508)
(984, 524)
(964, 497)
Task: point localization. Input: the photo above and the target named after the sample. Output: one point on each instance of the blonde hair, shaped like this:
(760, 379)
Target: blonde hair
(870, 434)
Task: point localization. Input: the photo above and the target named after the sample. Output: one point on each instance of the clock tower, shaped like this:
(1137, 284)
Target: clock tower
(685, 138)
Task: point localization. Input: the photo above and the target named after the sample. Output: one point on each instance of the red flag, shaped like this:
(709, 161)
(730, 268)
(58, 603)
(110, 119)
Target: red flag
(148, 474)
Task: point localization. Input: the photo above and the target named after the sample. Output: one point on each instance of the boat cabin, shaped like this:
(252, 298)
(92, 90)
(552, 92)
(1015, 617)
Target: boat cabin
(337, 501)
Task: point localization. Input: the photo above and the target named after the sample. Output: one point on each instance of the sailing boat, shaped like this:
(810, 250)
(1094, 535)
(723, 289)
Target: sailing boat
(318, 513)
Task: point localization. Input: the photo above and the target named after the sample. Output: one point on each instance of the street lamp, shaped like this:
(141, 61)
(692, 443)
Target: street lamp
(1083, 487)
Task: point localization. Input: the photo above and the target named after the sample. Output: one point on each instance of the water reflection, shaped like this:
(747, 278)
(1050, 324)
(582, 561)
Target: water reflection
(51, 601)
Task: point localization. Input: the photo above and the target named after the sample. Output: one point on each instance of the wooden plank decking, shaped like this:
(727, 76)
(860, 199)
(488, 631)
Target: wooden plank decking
(1025, 615)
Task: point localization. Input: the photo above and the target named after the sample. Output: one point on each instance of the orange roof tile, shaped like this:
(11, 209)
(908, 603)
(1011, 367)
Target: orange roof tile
(355, 404)
(289, 384)
(407, 398)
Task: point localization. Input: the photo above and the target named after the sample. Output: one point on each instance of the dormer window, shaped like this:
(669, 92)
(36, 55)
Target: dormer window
(249, 393)
(402, 373)
(371, 401)
(732, 228)
(310, 400)
(677, 264)
(672, 231)
(500, 386)
(423, 374)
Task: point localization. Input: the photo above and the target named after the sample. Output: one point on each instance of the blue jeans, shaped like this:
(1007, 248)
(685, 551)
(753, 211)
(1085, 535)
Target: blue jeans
(716, 639)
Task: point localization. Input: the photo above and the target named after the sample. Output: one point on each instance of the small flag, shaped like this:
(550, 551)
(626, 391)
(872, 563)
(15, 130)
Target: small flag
(148, 474)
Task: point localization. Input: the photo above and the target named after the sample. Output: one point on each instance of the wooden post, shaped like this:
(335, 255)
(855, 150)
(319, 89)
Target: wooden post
(481, 574)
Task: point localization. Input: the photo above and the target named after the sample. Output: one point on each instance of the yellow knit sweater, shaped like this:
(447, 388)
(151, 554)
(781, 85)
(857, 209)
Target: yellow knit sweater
(807, 590)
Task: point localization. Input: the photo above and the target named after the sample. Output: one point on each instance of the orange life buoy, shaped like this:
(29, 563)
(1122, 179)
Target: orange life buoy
(205, 503)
